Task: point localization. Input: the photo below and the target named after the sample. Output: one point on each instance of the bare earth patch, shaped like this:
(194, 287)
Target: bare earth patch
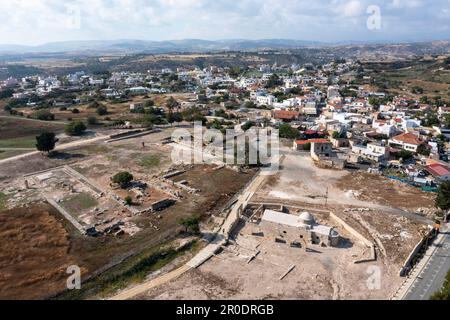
(34, 254)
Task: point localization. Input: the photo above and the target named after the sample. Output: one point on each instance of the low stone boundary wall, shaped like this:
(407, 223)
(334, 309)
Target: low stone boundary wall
(407, 265)
(360, 237)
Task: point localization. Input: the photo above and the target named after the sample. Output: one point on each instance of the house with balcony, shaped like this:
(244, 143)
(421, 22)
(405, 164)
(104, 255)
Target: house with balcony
(407, 141)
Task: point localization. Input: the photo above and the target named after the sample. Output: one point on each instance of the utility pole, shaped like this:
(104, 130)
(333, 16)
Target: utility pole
(326, 198)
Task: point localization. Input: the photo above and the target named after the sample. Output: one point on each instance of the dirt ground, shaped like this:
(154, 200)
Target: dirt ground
(34, 253)
(98, 163)
(378, 189)
(323, 273)
(300, 180)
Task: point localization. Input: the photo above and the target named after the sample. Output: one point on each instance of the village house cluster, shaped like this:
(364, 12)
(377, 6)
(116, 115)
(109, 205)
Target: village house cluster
(323, 109)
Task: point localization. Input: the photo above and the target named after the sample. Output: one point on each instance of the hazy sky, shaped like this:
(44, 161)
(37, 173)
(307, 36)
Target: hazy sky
(40, 21)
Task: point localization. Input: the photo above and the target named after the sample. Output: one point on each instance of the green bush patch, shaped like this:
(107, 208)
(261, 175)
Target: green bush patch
(150, 161)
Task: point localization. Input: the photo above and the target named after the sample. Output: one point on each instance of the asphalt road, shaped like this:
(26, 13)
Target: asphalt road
(432, 277)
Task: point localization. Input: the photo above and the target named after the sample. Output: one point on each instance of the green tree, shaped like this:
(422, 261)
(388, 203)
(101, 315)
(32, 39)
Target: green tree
(447, 61)
(102, 111)
(75, 128)
(44, 115)
(94, 105)
(246, 126)
(287, 132)
(424, 100)
(336, 135)
(172, 103)
(250, 105)
(443, 197)
(374, 102)
(128, 200)
(46, 142)
(191, 224)
(446, 121)
(274, 81)
(193, 114)
(149, 103)
(404, 154)
(123, 179)
(423, 150)
(174, 117)
(7, 93)
(92, 121)
(234, 72)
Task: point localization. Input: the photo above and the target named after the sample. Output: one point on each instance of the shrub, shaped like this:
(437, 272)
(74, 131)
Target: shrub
(123, 179)
(191, 224)
(75, 128)
(94, 105)
(102, 111)
(44, 115)
(92, 121)
(128, 200)
(287, 132)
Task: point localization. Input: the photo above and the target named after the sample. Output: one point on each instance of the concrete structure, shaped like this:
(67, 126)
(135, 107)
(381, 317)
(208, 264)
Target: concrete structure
(303, 227)
(372, 152)
(321, 149)
(267, 100)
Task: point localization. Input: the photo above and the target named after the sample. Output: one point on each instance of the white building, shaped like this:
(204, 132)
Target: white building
(372, 152)
(139, 90)
(407, 141)
(96, 82)
(267, 100)
(303, 227)
(385, 128)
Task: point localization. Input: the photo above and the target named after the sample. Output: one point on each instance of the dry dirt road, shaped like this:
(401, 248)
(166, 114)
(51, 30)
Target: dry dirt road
(133, 292)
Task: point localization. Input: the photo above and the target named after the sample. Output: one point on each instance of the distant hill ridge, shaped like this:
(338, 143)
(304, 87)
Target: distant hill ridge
(189, 45)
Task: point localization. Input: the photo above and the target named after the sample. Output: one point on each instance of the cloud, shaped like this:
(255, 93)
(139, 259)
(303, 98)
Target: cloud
(38, 21)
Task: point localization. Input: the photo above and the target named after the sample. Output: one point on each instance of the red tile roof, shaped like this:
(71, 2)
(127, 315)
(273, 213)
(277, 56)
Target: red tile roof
(303, 142)
(438, 169)
(286, 115)
(408, 138)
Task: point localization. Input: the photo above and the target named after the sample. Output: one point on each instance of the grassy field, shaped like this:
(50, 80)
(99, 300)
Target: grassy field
(13, 128)
(150, 161)
(24, 142)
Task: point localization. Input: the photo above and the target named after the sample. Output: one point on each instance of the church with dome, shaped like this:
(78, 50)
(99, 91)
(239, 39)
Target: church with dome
(302, 227)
